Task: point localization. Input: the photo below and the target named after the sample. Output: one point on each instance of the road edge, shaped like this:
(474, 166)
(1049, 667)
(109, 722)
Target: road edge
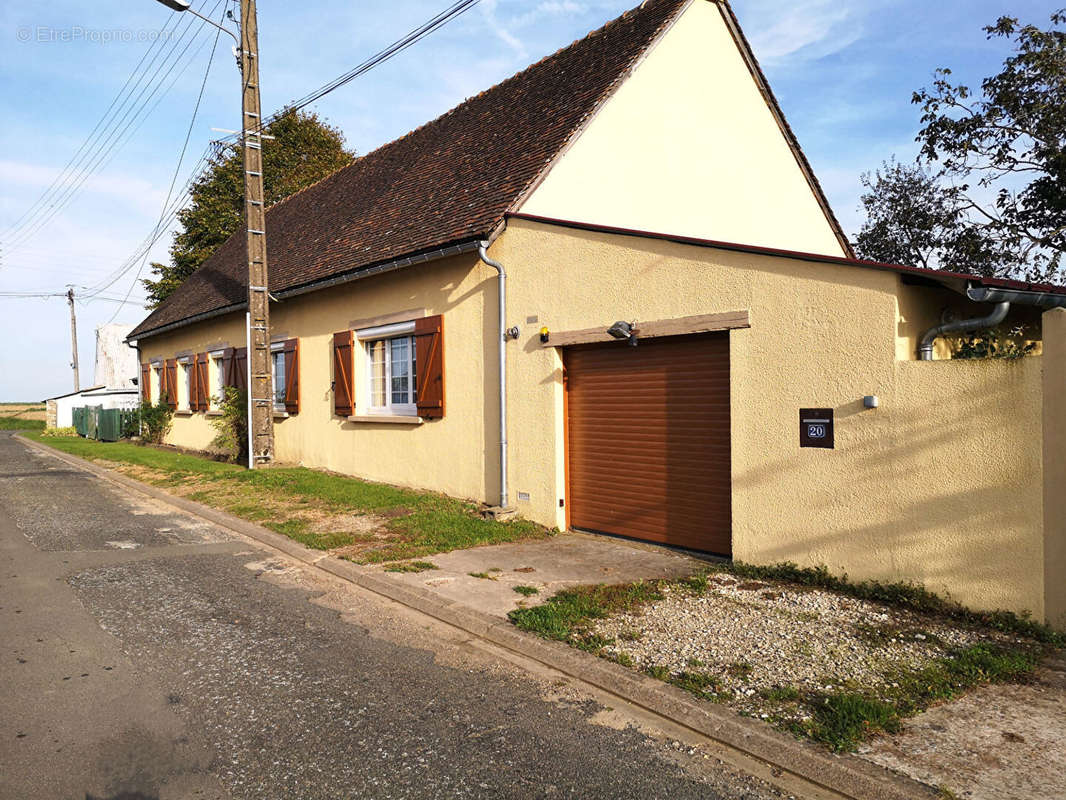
(843, 775)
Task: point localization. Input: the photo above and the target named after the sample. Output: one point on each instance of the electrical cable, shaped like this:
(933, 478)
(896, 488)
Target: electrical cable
(177, 170)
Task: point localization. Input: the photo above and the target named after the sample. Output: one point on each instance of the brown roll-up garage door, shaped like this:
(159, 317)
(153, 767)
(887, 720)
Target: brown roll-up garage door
(648, 440)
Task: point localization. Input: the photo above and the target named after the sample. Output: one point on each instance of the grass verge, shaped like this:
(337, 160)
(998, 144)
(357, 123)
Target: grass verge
(19, 424)
(311, 507)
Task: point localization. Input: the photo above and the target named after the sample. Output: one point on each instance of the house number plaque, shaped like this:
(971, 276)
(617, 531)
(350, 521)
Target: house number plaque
(816, 427)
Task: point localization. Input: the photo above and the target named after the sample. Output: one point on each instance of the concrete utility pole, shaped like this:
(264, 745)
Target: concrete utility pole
(74, 339)
(260, 388)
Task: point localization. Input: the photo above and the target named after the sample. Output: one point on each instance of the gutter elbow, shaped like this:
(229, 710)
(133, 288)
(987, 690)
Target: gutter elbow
(925, 346)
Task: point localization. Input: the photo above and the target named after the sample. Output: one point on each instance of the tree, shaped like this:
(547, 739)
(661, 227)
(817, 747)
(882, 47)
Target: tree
(911, 218)
(305, 150)
(988, 191)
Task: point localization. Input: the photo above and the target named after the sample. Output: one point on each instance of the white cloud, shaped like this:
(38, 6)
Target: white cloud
(803, 30)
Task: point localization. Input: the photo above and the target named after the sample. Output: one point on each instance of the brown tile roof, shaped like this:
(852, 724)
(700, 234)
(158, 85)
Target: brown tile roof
(450, 181)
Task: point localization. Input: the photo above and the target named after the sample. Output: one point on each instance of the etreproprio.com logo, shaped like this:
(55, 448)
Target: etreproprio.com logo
(77, 33)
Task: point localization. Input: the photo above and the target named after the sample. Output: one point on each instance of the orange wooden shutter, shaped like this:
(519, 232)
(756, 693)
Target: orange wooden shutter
(292, 376)
(203, 387)
(429, 355)
(171, 372)
(343, 377)
(240, 368)
(146, 382)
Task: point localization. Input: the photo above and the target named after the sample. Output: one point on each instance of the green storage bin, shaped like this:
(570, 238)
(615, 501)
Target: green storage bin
(109, 425)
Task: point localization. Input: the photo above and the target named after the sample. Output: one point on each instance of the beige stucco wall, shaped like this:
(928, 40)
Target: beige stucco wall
(687, 145)
(450, 454)
(942, 484)
(1055, 466)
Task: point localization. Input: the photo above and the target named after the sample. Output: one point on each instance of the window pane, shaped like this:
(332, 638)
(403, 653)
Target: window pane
(400, 370)
(376, 351)
(279, 377)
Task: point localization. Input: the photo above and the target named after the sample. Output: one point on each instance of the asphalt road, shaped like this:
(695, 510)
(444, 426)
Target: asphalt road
(149, 654)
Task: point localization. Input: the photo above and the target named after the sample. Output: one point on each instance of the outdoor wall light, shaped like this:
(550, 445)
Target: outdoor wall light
(624, 330)
(544, 335)
(871, 401)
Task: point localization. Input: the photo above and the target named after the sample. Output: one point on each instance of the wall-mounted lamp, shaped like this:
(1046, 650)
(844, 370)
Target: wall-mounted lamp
(624, 330)
(871, 401)
(544, 335)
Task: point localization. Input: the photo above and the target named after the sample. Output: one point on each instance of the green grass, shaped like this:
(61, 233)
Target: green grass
(19, 424)
(781, 694)
(482, 575)
(298, 530)
(565, 615)
(412, 566)
(418, 524)
(526, 591)
(179, 464)
(844, 718)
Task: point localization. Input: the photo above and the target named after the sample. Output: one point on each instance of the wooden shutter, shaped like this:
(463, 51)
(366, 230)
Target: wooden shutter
(429, 356)
(240, 368)
(292, 376)
(171, 373)
(146, 382)
(343, 373)
(228, 360)
(203, 386)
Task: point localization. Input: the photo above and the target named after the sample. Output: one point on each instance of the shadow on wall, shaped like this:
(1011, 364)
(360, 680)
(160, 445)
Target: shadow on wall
(941, 485)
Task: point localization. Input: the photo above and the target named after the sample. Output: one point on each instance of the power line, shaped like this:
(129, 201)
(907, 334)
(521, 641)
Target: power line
(177, 170)
(170, 213)
(117, 132)
(16, 225)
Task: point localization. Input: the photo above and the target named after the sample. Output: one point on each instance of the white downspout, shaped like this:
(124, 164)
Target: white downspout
(501, 340)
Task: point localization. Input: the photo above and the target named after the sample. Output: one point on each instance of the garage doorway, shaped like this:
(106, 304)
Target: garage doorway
(648, 440)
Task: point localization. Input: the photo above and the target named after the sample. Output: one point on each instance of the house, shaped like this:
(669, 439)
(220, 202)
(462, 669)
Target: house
(457, 311)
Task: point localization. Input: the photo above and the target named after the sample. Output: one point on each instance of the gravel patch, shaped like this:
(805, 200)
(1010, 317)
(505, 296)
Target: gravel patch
(754, 637)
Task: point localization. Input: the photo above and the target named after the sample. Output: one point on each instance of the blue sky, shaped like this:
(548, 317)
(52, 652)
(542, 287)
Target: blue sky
(843, 70)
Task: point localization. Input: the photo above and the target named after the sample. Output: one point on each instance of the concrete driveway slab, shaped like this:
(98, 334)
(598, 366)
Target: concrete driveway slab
(548, 565)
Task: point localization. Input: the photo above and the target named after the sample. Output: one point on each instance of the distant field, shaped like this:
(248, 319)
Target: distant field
(23, 411)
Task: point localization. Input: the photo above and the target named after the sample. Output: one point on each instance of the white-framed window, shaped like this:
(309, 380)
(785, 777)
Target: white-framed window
(157, 384)
(391, 374)
(215, 379)
(277, 367)
(185, 389)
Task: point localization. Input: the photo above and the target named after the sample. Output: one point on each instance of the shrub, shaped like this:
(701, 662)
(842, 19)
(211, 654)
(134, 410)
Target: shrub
(60, 433)
(231, 427)
(1011, 343)
(155, 421)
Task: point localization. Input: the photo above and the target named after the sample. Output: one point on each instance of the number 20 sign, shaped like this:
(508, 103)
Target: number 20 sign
(816, 427)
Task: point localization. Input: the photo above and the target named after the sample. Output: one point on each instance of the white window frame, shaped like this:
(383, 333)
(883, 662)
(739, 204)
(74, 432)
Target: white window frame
(275, 348)
(367, 337)
(187, 364)
(215, 375)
